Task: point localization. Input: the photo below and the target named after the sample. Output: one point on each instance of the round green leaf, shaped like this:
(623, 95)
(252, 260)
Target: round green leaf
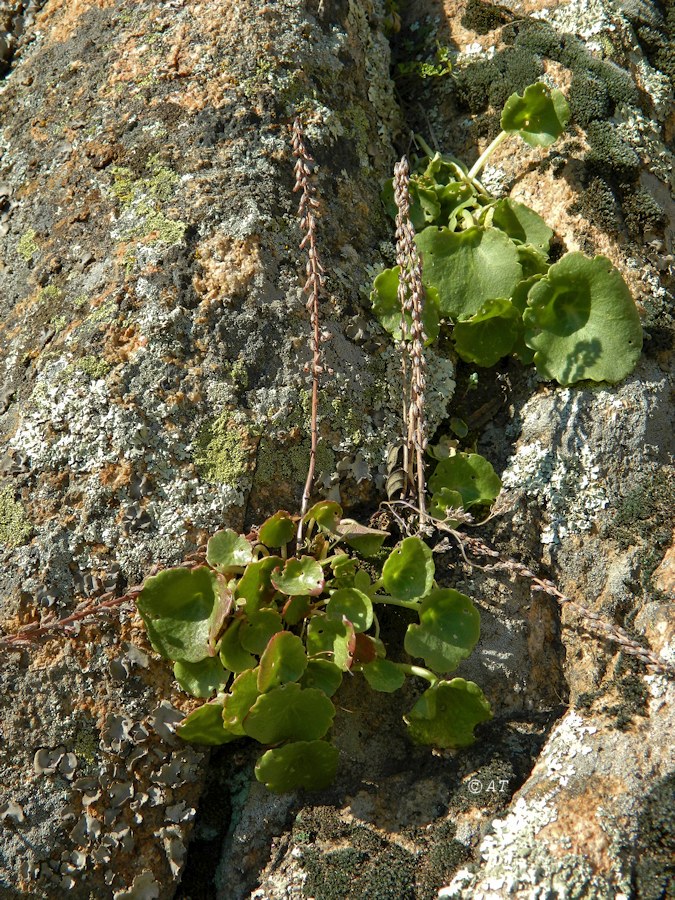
(448, 631)
(258, 628)
(323, 675)
(424, 205)
(470, 474)
(283, 660)
(326, 514)
(243, 694)
(447, 713)
(329, 637)
(277, 530)
(366, 541)
(408, 573)
(303, 764)
(289, 712)
(177, 606)
(228, 550)
(582, 322)
(205, 726)
(539, 116)
(255, 585)
(521, 224)
(489, 335)
(532, 262)
(296, 609)
(353, 605)
(201, 679)
(387, 308)
(468, 268)
(383, 675)
(300, 576)
(443, 502)
(232, 654)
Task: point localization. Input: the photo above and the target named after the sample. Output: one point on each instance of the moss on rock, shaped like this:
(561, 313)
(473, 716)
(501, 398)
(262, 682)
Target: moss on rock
(15, 528)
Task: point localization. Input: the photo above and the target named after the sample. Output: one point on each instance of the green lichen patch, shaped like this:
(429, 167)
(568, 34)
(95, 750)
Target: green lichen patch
(222, 454)
(142, 197)
(93, 366)
(15, 528)
(49, 293)
(27, 246)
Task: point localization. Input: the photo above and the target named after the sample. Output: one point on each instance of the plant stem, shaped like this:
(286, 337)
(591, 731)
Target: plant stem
(419, 672)
(304, 182)
(406, 604)
(486, 154)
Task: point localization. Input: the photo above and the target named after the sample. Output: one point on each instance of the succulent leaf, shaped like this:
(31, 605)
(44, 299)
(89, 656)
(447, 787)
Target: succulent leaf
(539, 116)
(279, 529)
(203, 678)
(284, 660)
(447, 713)
(387, 307)
(383, 675)
(408, 572)
(299, 576)
(177, 607)
(228, 550)
(205, 726)
(302, 764)
(448, 630)
(468, 268)
(289, 712)
(470, 474)
(582, 323)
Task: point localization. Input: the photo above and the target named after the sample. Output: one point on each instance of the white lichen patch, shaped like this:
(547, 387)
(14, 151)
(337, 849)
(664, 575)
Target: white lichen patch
(586, 18)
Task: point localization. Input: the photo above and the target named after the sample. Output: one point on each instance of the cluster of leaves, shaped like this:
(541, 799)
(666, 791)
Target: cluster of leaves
(488, 272)
(266, 637)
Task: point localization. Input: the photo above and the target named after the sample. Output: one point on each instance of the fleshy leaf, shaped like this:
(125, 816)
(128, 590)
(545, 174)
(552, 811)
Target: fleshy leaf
(328, 637)
(424, 205)
(539, 116)
(258, 628)
(447, 713)
(291, 713)
(299, 576)
(277, 530)
(201, 679)
(296, 609)
(384, 676)
(326, 514)
(470, 474)
(228, 550)
(243, 694)
(283, 661)
(443, 502)
(448, 631)
(255, 585)
(387, 309)
(303, 764)
(323, 675)
(582, 323)
(488, 335)
(353, 605)
(364, 648)
(409, 571)
(366, 541)
(469, 267)
(205, 726)
(177, 606)
(532, 262)
(521, 223)
(232, 654)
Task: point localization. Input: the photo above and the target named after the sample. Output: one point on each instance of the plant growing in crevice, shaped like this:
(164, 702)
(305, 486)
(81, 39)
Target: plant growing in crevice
(488, 263)
(270, 627)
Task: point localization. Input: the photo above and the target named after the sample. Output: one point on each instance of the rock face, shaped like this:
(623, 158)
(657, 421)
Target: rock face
(153, 335)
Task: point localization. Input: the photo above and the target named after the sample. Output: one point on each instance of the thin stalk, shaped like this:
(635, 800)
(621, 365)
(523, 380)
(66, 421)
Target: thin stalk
(307, 208)
(419, 672)
(390, 601)
(487, 153)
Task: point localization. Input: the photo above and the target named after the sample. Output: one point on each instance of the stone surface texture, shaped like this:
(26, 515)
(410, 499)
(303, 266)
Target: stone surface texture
(153, 334)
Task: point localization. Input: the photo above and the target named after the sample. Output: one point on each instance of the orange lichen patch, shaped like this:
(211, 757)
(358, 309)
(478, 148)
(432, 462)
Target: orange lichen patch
(116, 475)
(664, 577)
(135, 63)
(227, 266)
(202, 92)
(120, 346)
(577, 830)
(60, 18)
